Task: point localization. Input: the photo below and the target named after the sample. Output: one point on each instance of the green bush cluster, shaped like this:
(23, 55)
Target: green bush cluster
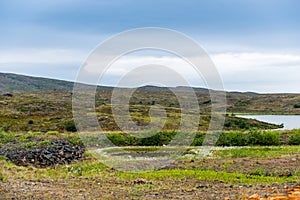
(234, 138)
(253, 138)
(122, 139)
(158, 139)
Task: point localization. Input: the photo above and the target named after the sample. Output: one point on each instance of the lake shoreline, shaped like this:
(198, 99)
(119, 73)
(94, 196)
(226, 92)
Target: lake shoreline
(289, 121)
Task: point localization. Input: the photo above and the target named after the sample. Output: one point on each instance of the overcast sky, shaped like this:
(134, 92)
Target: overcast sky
(254, 44)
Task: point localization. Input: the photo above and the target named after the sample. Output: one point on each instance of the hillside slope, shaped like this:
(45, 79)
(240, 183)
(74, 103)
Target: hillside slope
(20, 83)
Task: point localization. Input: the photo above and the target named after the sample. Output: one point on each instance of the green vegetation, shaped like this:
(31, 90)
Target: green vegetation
(5, 138)
(297, 105)
(294, 140)
(207, 175)
(256, 152)
(236, 123)
(36, 139)
(70, 126)
(252, 137)
(1, 177)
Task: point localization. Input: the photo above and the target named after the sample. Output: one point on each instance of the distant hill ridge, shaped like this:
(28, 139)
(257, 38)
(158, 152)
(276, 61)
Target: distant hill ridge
(20, 83)
(10, 82)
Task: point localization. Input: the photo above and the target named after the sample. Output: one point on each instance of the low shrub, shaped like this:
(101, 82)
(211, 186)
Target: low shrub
(44, 143)
(234, 138)
(297, 105)
(257, 137)
(161, 138)
(121, 139)
(294, 140)
(198, 140)
(70, 126)
(155, 140)
(253, 138)
(270, 138)
(75, 140)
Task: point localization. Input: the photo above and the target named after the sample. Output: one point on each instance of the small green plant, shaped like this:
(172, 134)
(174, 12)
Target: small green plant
(1, 177)
(198, 140)
(52, 133)
(294, 140)
(242, 124)
(44, 143)
(30, 145)
(6, 137)
(260, 172)
(30, 121)
(297, 105)
(228, 124)
(70, 126)
(75, 140)
(121, 139)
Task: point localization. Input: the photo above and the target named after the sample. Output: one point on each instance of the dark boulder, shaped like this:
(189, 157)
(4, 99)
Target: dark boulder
(7, 94)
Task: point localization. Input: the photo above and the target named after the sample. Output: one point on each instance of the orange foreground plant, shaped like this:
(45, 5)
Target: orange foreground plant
(291, 194)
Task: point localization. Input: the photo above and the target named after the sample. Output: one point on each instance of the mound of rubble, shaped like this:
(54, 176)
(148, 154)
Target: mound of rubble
(57, 152)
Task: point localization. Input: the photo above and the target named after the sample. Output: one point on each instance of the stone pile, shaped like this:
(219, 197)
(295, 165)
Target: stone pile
(58, 152)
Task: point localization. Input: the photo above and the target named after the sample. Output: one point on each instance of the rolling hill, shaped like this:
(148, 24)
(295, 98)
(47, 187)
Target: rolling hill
(237, 102)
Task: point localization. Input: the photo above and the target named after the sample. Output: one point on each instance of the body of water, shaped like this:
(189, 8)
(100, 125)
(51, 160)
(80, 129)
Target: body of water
(289, 121)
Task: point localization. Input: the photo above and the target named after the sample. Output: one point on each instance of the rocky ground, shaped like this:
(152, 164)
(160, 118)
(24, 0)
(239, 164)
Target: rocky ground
(105, 189)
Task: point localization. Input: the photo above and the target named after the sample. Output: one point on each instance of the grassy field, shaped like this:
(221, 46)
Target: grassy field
(52, 110)
(249, 157)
